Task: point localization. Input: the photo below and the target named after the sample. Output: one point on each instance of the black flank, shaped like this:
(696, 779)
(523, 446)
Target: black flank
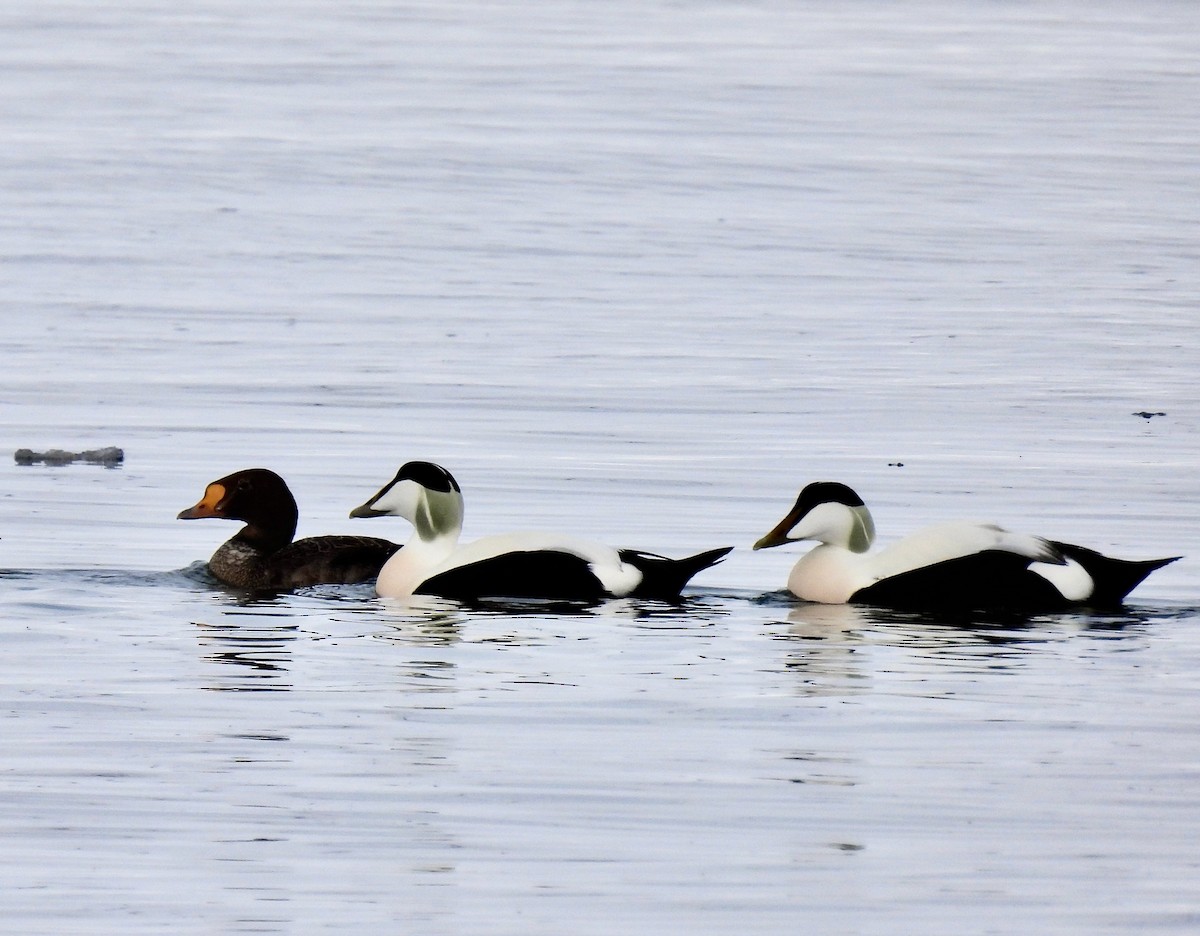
(542, 573)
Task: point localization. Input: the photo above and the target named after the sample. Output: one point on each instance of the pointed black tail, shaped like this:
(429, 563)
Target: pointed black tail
(662, 578)
(1113, 578)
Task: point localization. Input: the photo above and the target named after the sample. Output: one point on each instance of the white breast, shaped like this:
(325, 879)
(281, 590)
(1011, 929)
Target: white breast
(411, 564)
(829, 574)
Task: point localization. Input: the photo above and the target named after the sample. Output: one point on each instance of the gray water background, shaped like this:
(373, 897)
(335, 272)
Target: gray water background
(635, 271)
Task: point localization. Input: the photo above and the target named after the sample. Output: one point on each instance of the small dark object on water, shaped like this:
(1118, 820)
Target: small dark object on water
(110, 457)
(1146, 415)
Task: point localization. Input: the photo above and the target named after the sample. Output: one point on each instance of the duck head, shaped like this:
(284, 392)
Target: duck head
(828, 512)
(424, 494)
(256, 496)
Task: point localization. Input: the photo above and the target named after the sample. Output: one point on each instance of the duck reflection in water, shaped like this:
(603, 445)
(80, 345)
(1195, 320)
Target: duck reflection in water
(834, 649)
(253, 658)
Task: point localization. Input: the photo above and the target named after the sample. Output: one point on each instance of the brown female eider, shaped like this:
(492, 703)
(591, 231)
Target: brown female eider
(262, 555)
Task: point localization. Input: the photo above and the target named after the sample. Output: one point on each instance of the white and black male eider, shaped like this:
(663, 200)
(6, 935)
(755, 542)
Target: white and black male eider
(513, 565)
(954, 565)
(262, 555)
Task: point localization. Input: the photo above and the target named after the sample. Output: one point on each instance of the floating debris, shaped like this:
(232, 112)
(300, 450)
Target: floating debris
(1146, 415)
(109, 457)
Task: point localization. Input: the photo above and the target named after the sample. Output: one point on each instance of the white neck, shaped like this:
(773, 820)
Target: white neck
(436, 517)
(411, 564)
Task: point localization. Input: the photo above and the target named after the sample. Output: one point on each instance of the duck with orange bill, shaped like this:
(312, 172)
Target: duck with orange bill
(263, 555)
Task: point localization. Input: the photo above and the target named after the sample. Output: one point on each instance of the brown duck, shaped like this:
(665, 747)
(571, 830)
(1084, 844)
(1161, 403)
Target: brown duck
(262, 555)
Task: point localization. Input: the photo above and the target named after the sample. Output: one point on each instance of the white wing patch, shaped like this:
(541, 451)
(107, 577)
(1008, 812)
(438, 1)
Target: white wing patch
(1070, 578)
(955, 540)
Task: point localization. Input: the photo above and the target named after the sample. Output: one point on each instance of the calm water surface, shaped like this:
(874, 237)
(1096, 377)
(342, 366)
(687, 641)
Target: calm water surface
(637, 272)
